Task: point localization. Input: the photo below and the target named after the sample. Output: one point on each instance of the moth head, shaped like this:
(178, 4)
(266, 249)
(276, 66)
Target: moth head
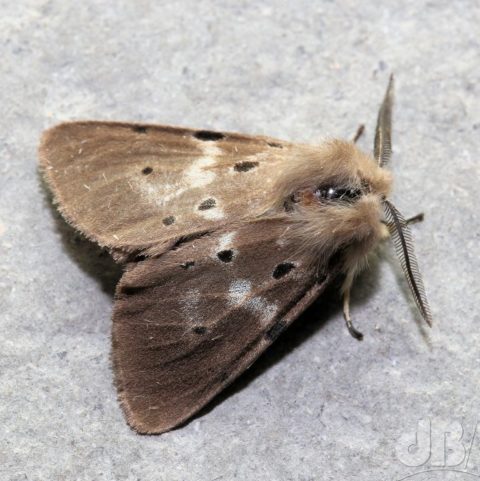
(336, 197)
(333, 196)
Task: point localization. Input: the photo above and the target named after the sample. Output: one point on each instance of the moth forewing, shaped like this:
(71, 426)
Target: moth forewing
(139, 189)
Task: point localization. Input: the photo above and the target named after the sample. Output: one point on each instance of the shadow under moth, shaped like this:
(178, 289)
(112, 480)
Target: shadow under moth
(225, 239)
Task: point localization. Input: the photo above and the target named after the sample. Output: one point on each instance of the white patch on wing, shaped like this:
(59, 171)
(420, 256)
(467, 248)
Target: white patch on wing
(158, 190)
(172, 195)
(266, 310)
(159, 193)
(212, 214)
(225, 241)
(189, 305)
(239, 291)
(239, 295)
(197, 174)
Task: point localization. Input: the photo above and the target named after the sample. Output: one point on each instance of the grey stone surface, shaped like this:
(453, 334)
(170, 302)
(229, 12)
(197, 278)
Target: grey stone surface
(318, 405)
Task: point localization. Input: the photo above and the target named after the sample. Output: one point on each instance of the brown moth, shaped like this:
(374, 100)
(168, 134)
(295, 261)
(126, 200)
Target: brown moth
(225, 239)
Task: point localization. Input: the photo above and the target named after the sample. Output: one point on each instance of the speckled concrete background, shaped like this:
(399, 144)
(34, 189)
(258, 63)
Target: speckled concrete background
(318, 405)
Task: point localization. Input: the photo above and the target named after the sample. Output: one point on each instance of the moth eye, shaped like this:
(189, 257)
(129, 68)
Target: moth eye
(337, 193)
(147, 170)
(139, 129)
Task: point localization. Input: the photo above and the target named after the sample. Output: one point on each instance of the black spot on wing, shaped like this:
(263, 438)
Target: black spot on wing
(207, 204)
(273, 333)
(188, 238)
(226, 255)
(275, 145)
(245, 166)
(168, 220)
(140, 129)
(199, 330)
(321, 278)
(147, 170)
(132, 290)
(207, 135)
(187, 265)
(282, 269)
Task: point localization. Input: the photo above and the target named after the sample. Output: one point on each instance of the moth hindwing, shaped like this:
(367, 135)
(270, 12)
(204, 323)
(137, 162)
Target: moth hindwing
(187, 323)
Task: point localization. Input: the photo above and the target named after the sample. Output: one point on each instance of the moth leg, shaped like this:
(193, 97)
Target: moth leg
(358, 133)
(411, 220)
(416, 218)
(346, 288)
(348, 320)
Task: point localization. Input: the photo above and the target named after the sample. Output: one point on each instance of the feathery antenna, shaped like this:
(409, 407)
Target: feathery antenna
(382, 149)
(402, 240)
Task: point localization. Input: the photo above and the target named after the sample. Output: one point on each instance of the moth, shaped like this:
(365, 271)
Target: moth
(225, 239)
